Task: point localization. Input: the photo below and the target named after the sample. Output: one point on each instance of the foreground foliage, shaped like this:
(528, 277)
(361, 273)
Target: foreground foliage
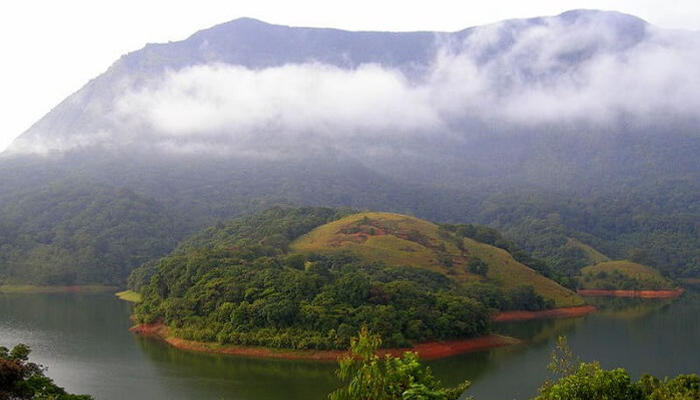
(369, 376)
(588, 381)
(21, 379)
(591, 382)
(366, 376)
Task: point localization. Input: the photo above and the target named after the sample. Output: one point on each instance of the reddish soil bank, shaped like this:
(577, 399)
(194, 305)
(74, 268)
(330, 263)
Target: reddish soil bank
(565, 312)
(156, 329)
(429, 350)
(645, 294)
(432, 350)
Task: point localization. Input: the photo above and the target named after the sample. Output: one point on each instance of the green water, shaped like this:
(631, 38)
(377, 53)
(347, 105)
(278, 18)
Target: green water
(84, 340)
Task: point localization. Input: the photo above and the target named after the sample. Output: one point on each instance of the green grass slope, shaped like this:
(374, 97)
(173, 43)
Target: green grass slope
(402, 240)
(130, 296)
(593, 255)
(624, 275)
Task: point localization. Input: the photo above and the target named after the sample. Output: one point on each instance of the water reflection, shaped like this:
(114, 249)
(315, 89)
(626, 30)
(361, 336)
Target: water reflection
(626, 307)
(227, 377)
(84, 340)
(657, 336)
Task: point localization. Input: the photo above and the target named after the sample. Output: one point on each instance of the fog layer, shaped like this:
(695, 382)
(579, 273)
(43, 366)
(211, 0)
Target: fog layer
(584, 70)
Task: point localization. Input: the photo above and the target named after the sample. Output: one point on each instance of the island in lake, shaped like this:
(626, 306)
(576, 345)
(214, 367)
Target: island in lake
(300, 282)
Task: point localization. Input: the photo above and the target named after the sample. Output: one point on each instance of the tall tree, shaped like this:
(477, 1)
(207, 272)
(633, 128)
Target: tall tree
(371, 377)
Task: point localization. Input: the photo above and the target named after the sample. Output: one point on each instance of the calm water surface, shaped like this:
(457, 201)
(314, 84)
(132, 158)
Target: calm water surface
(84, 340)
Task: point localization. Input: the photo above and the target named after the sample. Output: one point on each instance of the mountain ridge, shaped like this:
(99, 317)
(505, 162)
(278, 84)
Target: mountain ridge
(410, 51)
(581, 125)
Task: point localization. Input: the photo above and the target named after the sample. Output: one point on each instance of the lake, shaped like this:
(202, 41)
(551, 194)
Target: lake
(84, 341)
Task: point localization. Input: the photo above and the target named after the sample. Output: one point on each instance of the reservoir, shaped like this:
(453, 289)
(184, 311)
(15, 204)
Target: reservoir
(84, 341)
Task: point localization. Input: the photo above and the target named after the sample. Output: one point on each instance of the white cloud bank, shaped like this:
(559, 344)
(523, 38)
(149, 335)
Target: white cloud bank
(212, 99)
(589, 71)
(533, 81)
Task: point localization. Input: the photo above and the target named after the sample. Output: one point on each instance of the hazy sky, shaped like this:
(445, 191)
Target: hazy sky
(51, 48)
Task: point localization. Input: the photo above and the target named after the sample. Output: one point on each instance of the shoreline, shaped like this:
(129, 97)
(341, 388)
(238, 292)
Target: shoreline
(426, 351)
(642, 294)
(56, 289)
(564, 312)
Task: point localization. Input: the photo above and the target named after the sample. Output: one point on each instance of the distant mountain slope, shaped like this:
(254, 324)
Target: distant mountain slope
(546, 128)
(80, 120)
(185, 96)
(592, 255)
(81, 234)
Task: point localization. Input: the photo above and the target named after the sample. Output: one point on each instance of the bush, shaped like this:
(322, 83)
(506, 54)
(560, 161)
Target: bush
(24, 380)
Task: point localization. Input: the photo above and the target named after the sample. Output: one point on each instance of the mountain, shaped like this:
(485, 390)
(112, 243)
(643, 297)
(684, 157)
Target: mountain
(309, 278)
(395, 101)
(92, 116)
(581, 125)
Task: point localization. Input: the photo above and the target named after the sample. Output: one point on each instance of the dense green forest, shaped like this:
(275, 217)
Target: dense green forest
(88, 229)
(77, 234)
(655, 226)
(239, 283)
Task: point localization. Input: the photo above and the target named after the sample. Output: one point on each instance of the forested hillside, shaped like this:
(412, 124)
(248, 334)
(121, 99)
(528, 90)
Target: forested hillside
(656, 227)
(446, 126)
(80, 234)
(653, 224)
(267, 280)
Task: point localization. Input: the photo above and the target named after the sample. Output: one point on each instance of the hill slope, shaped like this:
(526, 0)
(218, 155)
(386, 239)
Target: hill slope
(622, 275)
(510, 125)
(592, 255)
(402, 240)
(77, 234)
(248, 282)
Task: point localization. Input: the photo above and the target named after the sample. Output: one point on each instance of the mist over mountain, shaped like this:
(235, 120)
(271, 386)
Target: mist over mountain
(246, 89)
(528, 125)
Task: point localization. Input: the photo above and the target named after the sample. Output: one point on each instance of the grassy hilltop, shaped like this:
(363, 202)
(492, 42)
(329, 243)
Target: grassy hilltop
(402, 240)
(623, 275)
(309, 278)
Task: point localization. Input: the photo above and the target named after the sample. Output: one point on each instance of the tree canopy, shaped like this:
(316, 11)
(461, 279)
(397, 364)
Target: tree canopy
(21, 379)
(368, 376)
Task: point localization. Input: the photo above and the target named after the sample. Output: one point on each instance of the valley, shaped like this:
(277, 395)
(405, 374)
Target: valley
(228, 214)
